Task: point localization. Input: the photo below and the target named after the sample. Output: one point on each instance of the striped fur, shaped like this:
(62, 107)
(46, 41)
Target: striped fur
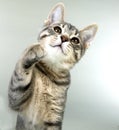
(39, 83)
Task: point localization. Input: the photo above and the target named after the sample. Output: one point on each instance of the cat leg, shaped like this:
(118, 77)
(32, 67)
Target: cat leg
(20, 87)
(20, 124)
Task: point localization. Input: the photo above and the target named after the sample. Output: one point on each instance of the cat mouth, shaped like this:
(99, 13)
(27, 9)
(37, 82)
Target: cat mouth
(59, 47)
(59, 44)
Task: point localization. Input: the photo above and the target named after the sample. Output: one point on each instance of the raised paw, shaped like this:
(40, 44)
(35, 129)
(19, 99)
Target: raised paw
(33, 55)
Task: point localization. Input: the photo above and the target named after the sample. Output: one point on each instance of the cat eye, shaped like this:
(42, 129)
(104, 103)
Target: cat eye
(57, 29)
(74, 40)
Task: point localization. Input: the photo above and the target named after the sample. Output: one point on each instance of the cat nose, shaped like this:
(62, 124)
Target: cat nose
(64, 38)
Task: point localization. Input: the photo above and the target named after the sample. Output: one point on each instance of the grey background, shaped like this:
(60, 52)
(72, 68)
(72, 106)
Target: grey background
(93, 98)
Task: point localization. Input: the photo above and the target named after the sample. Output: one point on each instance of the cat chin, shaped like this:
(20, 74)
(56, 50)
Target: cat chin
(62, 47)
(54, 50)
(59, 49)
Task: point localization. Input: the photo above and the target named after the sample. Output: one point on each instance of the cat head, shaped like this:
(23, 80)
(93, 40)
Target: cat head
(63, 42)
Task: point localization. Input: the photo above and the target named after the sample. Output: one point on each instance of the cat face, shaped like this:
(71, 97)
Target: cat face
(62, 41)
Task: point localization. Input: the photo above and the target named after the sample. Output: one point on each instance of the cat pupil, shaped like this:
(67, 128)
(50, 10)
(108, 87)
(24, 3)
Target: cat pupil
(57, 29)
(75, 40)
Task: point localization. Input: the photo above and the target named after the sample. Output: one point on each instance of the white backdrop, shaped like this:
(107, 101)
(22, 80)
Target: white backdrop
(93, 98)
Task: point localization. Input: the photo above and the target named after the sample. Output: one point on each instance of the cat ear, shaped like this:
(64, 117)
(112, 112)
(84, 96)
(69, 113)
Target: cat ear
(56, 14)
(87, 34)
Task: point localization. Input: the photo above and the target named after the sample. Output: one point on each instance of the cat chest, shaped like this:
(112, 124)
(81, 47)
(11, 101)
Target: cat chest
(48, 100)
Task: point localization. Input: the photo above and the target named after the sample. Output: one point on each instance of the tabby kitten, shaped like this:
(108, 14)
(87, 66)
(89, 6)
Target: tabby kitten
(39, 84)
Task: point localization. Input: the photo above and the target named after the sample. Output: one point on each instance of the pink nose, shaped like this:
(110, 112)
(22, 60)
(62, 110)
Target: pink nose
(64, 38)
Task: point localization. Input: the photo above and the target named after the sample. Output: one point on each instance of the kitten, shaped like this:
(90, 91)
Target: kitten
(39, 84)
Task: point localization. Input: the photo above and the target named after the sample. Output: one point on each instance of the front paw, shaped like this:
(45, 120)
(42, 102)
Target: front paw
(33, 55)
